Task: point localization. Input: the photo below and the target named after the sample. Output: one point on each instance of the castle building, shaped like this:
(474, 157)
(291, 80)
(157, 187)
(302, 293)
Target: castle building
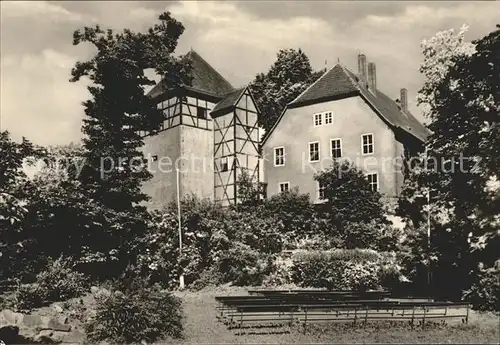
(210, 135)
(342, 115)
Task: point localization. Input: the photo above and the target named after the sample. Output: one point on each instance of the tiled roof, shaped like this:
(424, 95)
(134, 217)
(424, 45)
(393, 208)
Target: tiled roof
(228, 102)
(340, 81)
(333, 83)
(205, 79)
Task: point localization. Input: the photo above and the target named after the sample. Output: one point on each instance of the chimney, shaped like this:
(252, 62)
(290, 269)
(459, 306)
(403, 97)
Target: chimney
(404, 99)
(372, 77)
(362, 66)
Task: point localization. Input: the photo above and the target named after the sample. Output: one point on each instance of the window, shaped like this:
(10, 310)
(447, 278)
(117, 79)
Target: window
(367, 143)
(321, 191)
(314, 151)
(373, 181)
(201, 112)
(284, 187)
(328, 118)
(336, 146)
(223, 164)
(279, 156)
(318, 119)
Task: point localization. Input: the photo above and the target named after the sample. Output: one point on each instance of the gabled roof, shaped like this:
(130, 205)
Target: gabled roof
(334, 82)
(205, 79)
(228, 102)
(340, 82)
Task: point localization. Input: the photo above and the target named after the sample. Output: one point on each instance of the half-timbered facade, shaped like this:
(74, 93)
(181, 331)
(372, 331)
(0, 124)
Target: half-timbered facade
(236, 144)
(208, 136)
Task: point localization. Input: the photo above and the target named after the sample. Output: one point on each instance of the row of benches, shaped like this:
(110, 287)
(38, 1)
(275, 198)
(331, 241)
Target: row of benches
(274, 307)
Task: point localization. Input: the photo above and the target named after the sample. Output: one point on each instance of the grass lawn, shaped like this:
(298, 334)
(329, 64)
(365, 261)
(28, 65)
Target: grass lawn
(201, 326)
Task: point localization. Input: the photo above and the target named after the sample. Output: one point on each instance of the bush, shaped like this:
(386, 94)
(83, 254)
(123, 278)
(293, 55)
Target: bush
(485, 292)
(355, 269)
(147, 314)
(59, 282)
(244, 266)
(281, 273)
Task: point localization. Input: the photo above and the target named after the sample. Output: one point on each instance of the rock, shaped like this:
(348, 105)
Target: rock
(63, 319)
(45, 333)
(57, 326)
(57, 308)
(73, 337)
(45, 338)
(8, 317)
(32, 321)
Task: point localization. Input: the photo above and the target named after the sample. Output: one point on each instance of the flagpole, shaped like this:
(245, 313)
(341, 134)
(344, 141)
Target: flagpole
(429, 237)
(429, 270)
(181, 277)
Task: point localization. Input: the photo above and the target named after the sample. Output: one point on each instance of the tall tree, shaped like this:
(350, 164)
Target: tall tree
(13, 210)
(461, 96)
(119, 107)
(289, 76)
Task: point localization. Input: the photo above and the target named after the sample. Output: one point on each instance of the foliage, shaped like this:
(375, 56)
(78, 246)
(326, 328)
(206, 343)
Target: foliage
(371, 235)
(356, 269)
(460, 97)
(295, 212)
(62, 220)
(119, 108)
(244, 266)
(281, 274)
(288, 77)
(13, 210)
(209, 235)
(484, 293)
(249, 191)
(59, 282)
(146, 314)
(348, 197)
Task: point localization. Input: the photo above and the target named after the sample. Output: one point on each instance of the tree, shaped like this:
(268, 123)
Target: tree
(288, 77)
(12, 202)
(295, 211)
(119, 108)
(249, 191)
(349, 198)
(461, 98)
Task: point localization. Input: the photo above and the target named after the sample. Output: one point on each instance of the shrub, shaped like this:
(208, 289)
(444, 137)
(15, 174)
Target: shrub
(281, 273)
(360, 276)
(355, 269)
(134, 316)
(58, 282)
(244, 266)
(485, 292)
(30, 296)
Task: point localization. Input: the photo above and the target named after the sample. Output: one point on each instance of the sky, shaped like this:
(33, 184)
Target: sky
(239, 39)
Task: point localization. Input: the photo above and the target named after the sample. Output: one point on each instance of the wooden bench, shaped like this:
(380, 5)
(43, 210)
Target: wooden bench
(302, 308)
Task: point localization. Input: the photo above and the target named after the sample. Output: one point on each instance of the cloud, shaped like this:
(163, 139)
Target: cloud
(238, 39)
(231, 38)
(37, 9)
(37, 99)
